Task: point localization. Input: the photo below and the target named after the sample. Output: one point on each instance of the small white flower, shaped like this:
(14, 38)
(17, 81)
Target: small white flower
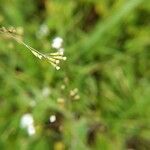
(26, 120)
(52, 118)
(57, 42)
(31, 130)
(43, 31)
(46, 91)
(27, 123)
(44, 28)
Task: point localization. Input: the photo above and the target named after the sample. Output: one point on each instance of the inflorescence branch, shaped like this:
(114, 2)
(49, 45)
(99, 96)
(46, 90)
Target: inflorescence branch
(53, 58)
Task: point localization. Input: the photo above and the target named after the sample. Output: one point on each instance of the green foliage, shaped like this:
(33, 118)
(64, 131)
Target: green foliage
(100, 96)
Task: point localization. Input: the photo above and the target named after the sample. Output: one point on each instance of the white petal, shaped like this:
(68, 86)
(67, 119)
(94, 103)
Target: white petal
(31, 130)
(57, 42)
(26, 120)
(52, 118)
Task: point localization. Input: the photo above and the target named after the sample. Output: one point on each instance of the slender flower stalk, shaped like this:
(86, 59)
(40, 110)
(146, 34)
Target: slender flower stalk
(52, 58)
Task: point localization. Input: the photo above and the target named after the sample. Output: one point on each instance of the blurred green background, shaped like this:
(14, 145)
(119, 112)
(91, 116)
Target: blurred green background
(100, 96)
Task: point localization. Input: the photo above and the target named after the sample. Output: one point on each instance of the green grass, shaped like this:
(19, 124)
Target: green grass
(107, 47)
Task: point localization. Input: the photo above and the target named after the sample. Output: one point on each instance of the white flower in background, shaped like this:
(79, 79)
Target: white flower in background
(46, 91)
(27, 123)
(26, 120)
(43, 31)
(57, 42)
(31, 130)
(52, 118)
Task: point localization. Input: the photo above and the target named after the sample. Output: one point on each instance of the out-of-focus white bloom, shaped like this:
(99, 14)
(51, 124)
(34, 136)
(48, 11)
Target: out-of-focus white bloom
(26, 120)
(57, 42)
(31, 130)
(27, 123)
(46, 91)
(52, 118)
(43, 31)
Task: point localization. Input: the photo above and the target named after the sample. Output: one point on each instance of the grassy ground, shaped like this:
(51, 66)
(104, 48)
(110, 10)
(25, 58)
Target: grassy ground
(100, 96)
